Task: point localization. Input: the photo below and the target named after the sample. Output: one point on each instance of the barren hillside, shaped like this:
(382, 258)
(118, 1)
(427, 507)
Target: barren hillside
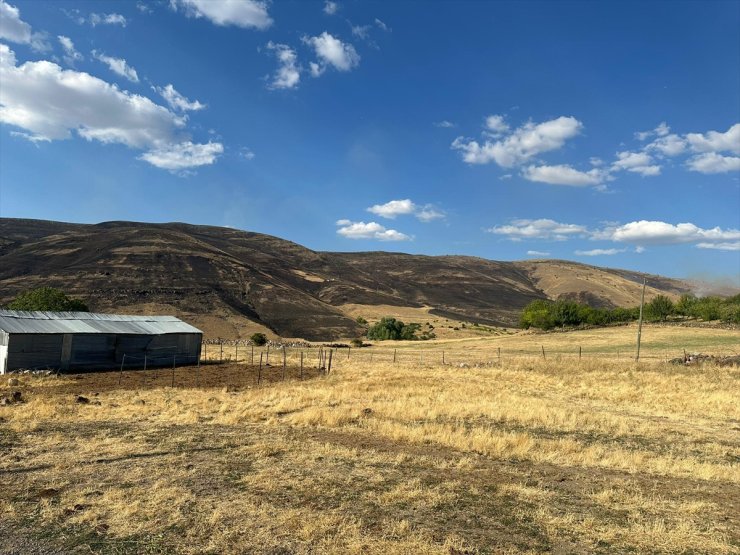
(233, 282)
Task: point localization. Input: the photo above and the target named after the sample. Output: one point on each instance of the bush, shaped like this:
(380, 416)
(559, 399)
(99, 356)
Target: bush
(357, 342)
(47, 298)
(360, 320)
(390, 328)
(258, 339)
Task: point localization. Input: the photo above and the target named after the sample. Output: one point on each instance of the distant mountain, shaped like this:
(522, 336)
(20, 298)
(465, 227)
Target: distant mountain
(219, 275)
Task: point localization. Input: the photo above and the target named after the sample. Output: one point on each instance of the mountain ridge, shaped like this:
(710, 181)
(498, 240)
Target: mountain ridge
(215, 274)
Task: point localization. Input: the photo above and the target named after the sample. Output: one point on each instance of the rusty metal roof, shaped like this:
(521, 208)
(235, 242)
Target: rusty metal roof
(21, 321)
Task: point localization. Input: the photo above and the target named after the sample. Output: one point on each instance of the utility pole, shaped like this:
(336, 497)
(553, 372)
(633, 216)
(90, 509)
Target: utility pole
(639, 322)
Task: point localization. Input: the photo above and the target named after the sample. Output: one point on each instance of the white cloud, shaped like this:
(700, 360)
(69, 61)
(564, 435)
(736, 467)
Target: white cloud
(71, 55)
(428, 214)
(288, 73)
(637, 162)
(668, 145)
(646, 232)
(361, 31)
(332, 51)
(599, 252)
(241, 13)
(14, 29)
(537, 253)
(143, 8)
(731, 246)
(50, 103)
(382, 25)
(330, 8)
(661, 131)
(711, 162)
(543, 228)
(107, 19)
(246, 153)
(117, 65)
(496, 124)
(316, 69)
(370, 230)
(564, 175)
(393, 208)
(183, 156)
(714, 141)
(177, 101)
(522, 144)
(444, 124)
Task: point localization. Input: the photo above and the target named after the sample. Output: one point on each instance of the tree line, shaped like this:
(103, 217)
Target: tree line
(546, 315)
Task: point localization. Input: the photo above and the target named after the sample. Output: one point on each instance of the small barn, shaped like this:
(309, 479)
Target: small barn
(89, 341)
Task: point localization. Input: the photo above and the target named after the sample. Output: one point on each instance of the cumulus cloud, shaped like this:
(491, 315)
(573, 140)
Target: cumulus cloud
(331, 51)
(394, 208)
(370, 230)
(542, 228)
(14, 29)
(288, 73)
(564, 175)
(49, 103)
(183, 156)
(240, 13)
(668, 145)
(177, 101)
(496, 124)
(117, 65)
(645, 232)
(715, 141)
(599, 252)
(71, 55)
(637, 162)
(522, 144)
(711, 162)
(330, 8)
(538, 253)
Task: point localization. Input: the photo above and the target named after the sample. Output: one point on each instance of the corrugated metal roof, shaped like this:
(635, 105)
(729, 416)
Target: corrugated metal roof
(21, 321)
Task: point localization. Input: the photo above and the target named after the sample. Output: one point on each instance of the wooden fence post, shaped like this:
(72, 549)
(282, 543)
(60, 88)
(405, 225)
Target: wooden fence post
(259, 372)
(543, 352)
(579, 352)
(348, 351)
(331, 352)
(120, 376)
(443, 357)
(267, 358)
(394, 355)
(499, 355)
(283, 362)
(236, 352)
(205, 351)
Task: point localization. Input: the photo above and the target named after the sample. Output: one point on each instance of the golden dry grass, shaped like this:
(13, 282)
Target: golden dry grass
(524, 457)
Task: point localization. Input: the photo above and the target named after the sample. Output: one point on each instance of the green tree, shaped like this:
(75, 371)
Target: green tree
(47, 298)
(390, 328)
(258, 339)
(360, 320)
(660, 308)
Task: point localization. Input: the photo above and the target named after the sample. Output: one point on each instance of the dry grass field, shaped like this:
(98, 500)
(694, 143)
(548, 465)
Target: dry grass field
(525, 456)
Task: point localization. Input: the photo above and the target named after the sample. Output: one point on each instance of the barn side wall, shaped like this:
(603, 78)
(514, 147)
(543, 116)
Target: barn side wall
(101, 351)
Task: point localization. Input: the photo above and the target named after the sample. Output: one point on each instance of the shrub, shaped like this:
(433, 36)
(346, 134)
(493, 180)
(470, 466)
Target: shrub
(390, 328)
(357, 342)
(47, 298)
(258, 339)
(360, 320)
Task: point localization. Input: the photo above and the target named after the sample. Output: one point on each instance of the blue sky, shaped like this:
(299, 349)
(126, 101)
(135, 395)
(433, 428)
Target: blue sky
(602, 132)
